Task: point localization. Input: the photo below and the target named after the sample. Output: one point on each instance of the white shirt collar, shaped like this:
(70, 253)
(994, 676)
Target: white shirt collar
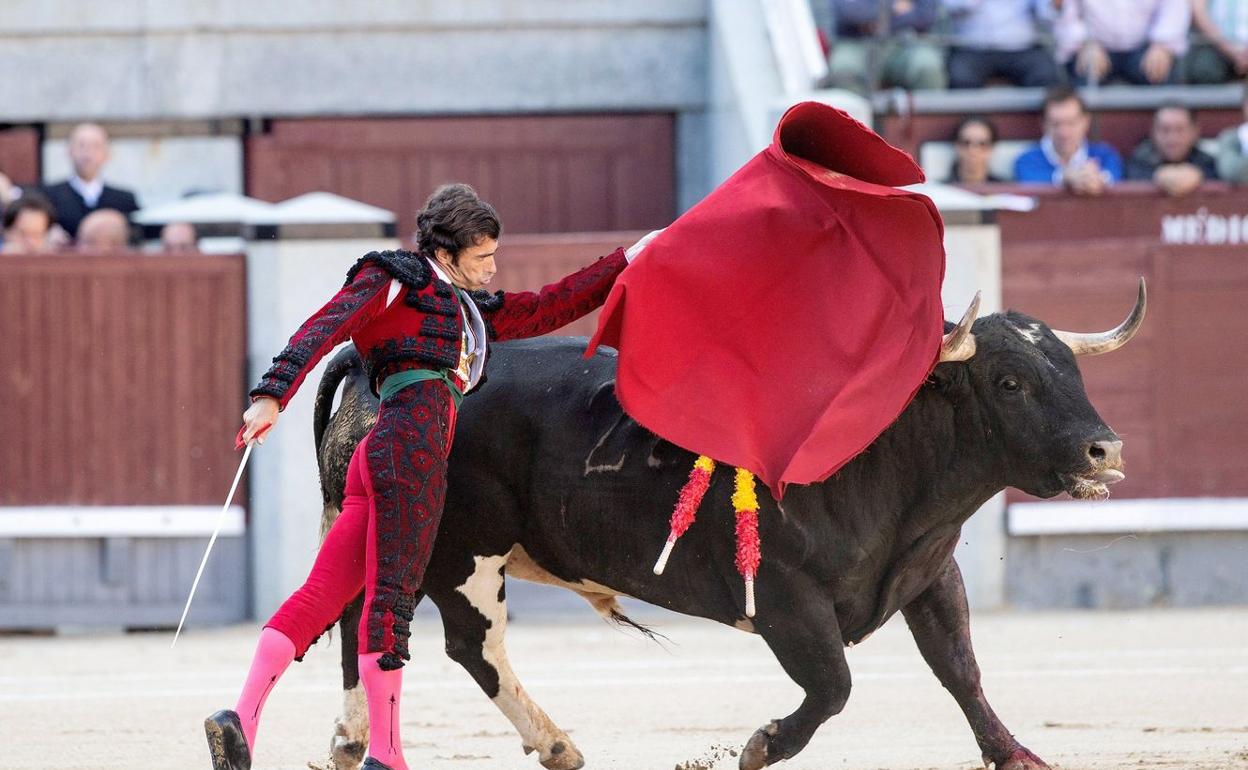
(1059, 169)
(90, 191)
(475, 328)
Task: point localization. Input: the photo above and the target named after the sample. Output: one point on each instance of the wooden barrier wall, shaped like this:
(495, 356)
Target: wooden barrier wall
(122, 378)
(528, 262)
(544, 173)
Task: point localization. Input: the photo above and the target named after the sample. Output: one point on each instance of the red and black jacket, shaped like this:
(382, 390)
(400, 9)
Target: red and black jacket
(423, 327)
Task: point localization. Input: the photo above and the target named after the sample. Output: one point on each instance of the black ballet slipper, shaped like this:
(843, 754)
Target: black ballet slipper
(372, 764)
(226, 742)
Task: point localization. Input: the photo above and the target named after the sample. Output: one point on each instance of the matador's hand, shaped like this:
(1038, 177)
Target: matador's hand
(636, 248)
(258, 420)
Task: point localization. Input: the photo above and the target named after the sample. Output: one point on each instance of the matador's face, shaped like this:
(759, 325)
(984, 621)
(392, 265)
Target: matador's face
(475, 266)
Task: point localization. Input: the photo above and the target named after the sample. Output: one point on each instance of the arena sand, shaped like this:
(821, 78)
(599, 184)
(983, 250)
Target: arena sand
(1158, 690)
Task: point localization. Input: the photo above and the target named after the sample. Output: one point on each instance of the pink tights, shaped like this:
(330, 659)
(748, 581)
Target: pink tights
(337, 577)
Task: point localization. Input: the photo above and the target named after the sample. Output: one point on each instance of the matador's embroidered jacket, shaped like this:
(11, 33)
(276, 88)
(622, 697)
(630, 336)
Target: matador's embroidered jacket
(423, 327)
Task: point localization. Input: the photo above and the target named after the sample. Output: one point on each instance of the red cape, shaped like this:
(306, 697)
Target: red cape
(786, 320)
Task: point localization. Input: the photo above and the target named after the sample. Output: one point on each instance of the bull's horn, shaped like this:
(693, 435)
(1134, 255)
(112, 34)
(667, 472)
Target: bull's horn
(959, 344)
(1104, 342)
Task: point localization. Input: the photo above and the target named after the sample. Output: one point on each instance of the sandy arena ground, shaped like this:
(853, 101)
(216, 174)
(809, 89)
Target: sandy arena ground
(1159, 690)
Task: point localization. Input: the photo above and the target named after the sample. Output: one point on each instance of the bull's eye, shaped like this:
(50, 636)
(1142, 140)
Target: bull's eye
(1009, 384)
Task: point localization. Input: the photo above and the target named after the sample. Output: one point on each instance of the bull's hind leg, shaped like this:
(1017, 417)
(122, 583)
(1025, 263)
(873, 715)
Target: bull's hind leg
(350, 739)
(805, 637)
(474, 616)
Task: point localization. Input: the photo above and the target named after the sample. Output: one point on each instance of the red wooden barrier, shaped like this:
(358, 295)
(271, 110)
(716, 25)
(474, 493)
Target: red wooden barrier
(122, 378)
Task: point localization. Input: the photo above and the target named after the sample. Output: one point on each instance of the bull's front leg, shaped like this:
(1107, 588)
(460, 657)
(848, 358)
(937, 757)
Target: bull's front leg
(806, 639)
(939, 619)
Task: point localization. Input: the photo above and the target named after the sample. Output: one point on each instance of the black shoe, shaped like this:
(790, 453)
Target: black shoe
(226, 742)
(372, 764)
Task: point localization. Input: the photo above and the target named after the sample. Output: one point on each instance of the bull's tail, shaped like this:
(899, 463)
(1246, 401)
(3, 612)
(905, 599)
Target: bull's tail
(609, 608)
(339, 367)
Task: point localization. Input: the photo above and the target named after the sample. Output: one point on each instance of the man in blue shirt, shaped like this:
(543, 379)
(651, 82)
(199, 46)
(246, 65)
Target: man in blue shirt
(1064, 157)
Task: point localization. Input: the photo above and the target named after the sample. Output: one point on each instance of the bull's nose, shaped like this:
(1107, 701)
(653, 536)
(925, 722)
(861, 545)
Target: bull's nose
(1105, 453)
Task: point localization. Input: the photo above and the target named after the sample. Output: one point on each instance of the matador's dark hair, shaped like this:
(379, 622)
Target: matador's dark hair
(454, 218)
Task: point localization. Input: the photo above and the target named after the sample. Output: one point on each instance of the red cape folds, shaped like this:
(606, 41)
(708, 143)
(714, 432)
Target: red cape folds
(786, 320)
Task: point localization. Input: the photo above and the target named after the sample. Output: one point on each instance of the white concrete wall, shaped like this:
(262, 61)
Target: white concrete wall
(286, 282)
(973, 263)
(150, 59)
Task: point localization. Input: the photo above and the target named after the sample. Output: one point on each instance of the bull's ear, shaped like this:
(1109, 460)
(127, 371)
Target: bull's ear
(948, 378)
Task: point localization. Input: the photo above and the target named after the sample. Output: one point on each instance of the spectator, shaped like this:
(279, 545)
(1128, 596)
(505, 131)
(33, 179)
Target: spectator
(1170, 157)
(179, 238)
(1064, 157)
(85, 190)
(9, 192)
(27, 221)
(104, 230)
(973, 141)
(1135, 40)
(1233, 149)
(1224, 54)
(998, 39)
(903, 61)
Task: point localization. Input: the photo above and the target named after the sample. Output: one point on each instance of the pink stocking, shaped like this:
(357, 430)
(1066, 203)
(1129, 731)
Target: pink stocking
(383, 690)
(274, 652)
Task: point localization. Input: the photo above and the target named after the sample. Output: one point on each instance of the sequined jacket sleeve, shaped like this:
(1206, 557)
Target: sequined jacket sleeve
(513, 315)
(357, 303)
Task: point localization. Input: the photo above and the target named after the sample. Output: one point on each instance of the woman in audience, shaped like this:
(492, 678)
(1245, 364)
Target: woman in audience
(974, 139)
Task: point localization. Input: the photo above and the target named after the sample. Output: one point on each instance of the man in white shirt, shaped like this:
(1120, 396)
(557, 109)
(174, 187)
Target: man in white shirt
(85, 190)
(1135, 40)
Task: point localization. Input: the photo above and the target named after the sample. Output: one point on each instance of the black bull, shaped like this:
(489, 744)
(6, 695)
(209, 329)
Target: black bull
(550, 481)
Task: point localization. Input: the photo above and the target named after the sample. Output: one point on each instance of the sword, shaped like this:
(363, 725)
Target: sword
(215, 531)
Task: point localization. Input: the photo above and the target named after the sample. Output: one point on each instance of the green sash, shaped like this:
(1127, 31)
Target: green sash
(399, 380)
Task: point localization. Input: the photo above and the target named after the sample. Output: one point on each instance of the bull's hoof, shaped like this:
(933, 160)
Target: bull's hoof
(563, 756)
(346, 752)
(754, 755)
(1021, 759)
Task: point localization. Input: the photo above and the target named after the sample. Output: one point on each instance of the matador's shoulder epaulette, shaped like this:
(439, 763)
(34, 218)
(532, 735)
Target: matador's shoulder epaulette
(408, 267)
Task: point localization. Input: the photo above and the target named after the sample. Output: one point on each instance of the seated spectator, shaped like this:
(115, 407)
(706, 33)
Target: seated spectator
(1170, 157)
(1064, 156)
(9, 192)
(998, 39)
(104, 230)
(85, 190)
(973, 142)
(1233, 149)
(1134, 40)
(179, 238)
(1223, 54)
(27, 221)
(903, 61)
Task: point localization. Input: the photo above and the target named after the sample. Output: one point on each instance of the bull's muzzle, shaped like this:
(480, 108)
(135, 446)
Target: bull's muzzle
(1105, 458)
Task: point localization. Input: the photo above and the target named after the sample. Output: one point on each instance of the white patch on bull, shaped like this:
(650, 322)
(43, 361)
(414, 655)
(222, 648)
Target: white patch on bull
(603, 467)
(537, 730)
(521, 565)
(350, 739)
(1032, 333)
